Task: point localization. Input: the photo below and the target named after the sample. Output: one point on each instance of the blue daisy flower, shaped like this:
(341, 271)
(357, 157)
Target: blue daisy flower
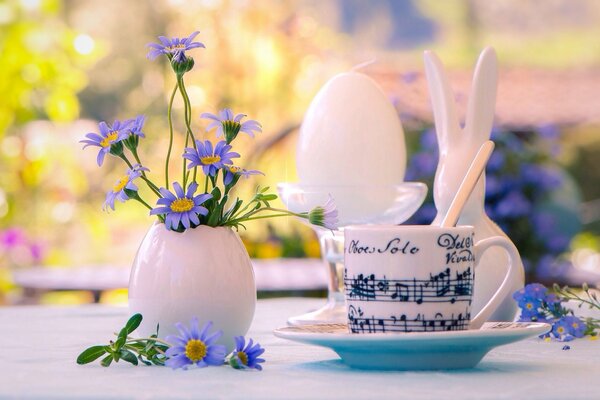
(109, 137)
(229, 125)
(137, 125)
(174, 48)
(124, 183)
(325, 216)
(181, 207)
(194, 346)
(210, 161)
(231, 171)
(246, 357)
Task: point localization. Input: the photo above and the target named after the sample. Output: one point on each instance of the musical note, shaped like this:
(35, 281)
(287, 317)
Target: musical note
(362, 287)
(401, 292)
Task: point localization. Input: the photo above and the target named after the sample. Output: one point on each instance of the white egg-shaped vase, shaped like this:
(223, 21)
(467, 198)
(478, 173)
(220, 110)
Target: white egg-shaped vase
(203, 272)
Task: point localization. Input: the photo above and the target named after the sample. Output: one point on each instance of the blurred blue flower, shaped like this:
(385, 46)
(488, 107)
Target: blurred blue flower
(137, 125)
(422, 165)
(513, 205)
(540, 176)
(194, 346)
(246, 356)
(173, 48)
(549, 131)
(230, 171)
(550, 269)
(325, 216)
(229, 125)
(409, 77)
(496, 162)
(493, 186)
(428, 140)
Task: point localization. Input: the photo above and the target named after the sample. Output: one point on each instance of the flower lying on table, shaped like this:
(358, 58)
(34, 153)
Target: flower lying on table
(215, 205)
(538, 304)
(193, 346)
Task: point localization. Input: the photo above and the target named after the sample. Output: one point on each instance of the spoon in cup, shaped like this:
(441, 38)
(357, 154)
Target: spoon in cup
(468, 184)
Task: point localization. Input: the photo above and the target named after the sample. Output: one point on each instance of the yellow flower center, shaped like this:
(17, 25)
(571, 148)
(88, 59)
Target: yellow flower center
(121, 184)
(560, 330)
(195, 350)
(111, 137)
(233, 169)
(182, 205)
(243, 357)
(529, 306)
(210, 159)
(180, 46)
(575, 325)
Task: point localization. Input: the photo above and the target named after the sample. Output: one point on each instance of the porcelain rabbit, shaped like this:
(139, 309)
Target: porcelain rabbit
(457, 148)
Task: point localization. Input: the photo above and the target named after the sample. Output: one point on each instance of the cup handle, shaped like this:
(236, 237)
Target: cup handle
(505, 287)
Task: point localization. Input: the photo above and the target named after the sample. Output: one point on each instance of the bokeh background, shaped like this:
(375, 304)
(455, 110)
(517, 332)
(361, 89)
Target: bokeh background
(65, 65)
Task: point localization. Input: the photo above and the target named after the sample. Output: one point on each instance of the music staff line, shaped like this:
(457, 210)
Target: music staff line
(438, 288)
(404, 324)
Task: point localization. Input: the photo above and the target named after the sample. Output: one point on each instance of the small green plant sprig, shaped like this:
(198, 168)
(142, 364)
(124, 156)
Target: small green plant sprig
(193, 346)
(586, 297)
(148, 351)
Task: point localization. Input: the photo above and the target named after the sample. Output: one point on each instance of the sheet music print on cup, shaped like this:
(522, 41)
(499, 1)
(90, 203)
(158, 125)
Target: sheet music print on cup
(411, 278)
(359, 323)
(438, 288)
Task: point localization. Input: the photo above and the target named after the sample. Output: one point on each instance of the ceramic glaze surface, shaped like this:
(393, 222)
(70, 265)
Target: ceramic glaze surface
(203, 272)
(413, 351)
(351, 130)
(457, 148)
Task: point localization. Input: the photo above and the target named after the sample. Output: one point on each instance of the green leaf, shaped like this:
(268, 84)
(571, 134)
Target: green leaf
(106, 360)
(268, 197)
(91, 354)
(216, 193)
(120, 342)
(133, 323)
(263, 190)
(144, 361)
(128, 356)
(123, 334)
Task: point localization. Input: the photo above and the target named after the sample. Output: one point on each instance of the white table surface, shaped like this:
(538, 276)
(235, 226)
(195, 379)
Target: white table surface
(38, 347)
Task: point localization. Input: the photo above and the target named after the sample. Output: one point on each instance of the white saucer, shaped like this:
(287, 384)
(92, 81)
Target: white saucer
(414, 350)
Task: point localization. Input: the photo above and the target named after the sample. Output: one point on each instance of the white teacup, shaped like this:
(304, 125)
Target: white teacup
(416, 278)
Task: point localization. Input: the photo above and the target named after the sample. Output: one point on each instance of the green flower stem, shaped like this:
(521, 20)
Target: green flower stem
(188, 120)
(570, 295)
(143, 202)
(169, 116)
(206, 184)
(144, 177)
(249, 216)
(130, 340)
(151, 185)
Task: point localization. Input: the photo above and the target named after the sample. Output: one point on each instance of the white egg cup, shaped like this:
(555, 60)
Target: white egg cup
(356, 205)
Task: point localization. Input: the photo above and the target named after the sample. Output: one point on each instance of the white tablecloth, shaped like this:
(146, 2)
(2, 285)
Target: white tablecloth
(38, 347)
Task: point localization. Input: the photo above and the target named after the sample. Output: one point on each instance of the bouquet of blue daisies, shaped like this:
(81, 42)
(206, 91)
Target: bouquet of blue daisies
(180, 205)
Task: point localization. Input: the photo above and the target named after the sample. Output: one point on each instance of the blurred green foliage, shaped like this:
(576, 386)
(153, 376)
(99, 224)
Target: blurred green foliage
(41, 70)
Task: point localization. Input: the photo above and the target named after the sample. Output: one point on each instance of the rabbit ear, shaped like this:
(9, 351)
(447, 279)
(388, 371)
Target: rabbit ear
(442, 100)
(482, 101)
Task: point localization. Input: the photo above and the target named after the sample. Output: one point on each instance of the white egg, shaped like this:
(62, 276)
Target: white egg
(351, 135)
